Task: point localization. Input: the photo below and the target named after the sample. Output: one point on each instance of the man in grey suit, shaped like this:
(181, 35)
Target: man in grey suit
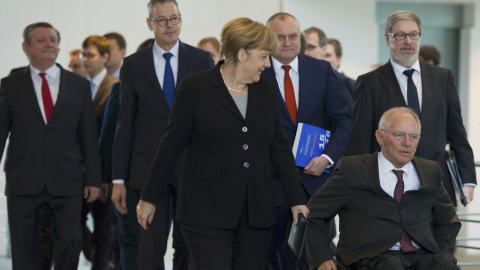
(53, 155)
(394, 211)
(147, 82)
(429, 90)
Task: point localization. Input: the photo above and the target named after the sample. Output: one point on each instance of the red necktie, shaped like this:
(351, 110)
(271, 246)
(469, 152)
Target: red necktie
(46, 97)
(405, 241)
(290, 95)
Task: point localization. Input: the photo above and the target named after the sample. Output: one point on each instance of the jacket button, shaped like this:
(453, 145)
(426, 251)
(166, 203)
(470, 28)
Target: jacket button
(245, 146)
(246, 165)
(244, 129)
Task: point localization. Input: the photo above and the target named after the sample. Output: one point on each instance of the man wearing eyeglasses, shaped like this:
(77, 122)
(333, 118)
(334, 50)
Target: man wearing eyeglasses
(308, 92)
(394, 211)
(429, 90)
(147, 81)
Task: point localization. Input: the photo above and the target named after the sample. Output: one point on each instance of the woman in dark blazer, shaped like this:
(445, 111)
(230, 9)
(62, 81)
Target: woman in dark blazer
(228, 120)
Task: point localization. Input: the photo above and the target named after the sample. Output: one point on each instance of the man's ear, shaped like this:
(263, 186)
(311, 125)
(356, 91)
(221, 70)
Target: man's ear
(149, 23)
(379, 136)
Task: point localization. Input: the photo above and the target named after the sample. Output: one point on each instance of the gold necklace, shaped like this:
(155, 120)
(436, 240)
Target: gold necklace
(229, 88)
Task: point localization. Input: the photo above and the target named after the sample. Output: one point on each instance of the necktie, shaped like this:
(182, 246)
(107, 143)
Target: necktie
(168, 81)
(46, 97)
(92, 86)
(405, 241)
(290, 95)
(412, 94)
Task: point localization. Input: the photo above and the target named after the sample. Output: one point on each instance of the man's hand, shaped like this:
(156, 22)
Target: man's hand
(145, 213)
(299, 209)
(90, 193)
(103, 196)
(328, 265)
(316, 166)
(119, 198)
(468, 190)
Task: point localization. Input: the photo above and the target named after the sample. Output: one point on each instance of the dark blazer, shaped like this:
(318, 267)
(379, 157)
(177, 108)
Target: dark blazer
(107, 133)
(143, 114)
(371, 221)
(441, 119)
(49, 155)
(227, 155)
(101, 97)
(320, 104)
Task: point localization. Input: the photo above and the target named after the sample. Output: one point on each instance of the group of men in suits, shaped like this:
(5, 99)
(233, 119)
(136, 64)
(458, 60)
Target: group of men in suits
(53, 156)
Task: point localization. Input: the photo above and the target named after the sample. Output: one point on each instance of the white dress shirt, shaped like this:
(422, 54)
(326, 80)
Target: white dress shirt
(388, 181)
(53, 79)
(403, 79)
(159, 61)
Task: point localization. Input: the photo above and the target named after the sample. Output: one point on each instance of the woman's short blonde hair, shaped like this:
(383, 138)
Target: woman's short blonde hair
(243, 33)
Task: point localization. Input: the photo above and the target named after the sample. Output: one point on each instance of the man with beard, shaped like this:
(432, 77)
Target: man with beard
(428, 90)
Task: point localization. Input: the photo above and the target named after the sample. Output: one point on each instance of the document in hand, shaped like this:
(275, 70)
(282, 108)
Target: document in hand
(455, 174)
(310, 141)
(297, 235)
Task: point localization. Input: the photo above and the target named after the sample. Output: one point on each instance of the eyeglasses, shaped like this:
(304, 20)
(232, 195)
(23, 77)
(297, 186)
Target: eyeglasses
(162, 21)
(291, 37)
(403, 36)
(400, 136)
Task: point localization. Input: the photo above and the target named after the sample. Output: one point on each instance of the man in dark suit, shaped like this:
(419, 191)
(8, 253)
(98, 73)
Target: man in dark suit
(317, 96)
(394, 211)
(147, 82)
(432, 94)
(53, 153)
(96, 52)
(333, 54)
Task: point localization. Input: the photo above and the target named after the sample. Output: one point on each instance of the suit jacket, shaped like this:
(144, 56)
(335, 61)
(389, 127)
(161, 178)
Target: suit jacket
(441, 119)
(144, 112)
(371, 221)
(320, 104)
(49, 155)
(101, 97)
(227, 155)
(107, 133)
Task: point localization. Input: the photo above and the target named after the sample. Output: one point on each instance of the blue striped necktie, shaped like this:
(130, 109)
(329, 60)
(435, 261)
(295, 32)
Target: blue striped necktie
(168, 81)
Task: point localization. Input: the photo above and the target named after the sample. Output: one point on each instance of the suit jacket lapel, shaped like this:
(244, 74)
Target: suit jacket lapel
(305, 86)
(220, 91)
(62, 92)
(182, 62)
(391, 84)
(370, 174)
(149, 70)
(102, 93)
(423, 175)
(428, 90)
(30, 96)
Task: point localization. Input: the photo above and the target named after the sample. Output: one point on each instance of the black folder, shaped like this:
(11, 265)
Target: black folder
(455, 174)
(297, 235)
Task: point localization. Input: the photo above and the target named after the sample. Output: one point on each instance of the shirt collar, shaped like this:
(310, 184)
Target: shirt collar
(158, 51)
(52, 72)
(399, 69)
(277, 65)
(385, 166)
(97, 80)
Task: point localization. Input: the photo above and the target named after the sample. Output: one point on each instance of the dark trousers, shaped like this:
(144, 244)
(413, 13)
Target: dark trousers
(224, 249)
(145, 249)
(396, 260)
(25, 222)
(280, 256)
(100, 246)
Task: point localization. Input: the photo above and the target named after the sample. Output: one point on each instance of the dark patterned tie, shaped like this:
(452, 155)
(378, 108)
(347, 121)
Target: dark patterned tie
(168, 81)
(289, 95)
(46, 97)
(412, 94)
(405, 241)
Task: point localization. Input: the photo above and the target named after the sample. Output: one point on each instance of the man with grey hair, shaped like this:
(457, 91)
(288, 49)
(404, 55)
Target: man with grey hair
(147, 81)
(428, 90)
(308, 92)
(394, 211)
(46, 112)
